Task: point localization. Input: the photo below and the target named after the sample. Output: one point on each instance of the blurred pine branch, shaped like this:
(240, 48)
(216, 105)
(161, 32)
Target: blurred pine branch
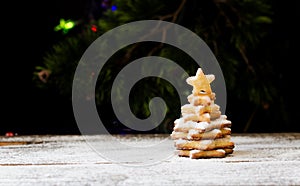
(237, 31)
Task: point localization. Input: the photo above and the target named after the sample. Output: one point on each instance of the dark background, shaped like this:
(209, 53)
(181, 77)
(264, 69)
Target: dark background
(27, 33)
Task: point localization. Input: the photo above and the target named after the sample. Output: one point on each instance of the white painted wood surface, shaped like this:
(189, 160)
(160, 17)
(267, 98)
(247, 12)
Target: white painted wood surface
(258, 159)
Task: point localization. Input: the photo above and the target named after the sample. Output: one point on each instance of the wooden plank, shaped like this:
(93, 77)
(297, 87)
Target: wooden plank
(258, 159)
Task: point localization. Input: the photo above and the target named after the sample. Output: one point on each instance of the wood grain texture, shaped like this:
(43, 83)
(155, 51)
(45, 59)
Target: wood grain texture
(258, 159)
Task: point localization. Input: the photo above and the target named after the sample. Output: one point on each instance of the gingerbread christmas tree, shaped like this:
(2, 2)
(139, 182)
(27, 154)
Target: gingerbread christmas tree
(202, 131)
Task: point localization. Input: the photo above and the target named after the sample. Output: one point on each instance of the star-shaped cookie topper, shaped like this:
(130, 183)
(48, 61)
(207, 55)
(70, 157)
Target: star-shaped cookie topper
(201, 83)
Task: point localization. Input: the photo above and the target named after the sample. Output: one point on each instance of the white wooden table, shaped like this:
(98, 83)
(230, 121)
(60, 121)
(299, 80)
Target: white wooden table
(258, 159)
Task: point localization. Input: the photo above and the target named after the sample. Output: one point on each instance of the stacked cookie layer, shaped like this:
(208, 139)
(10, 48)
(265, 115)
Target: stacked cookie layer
(202, 131)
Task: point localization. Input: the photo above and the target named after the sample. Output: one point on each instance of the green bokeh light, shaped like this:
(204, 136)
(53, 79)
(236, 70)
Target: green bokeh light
(65, 25)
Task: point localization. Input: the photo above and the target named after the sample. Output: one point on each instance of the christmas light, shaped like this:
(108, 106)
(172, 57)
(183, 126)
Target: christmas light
(113, 8)
(9, 134)
(65, 25)
(94, 28)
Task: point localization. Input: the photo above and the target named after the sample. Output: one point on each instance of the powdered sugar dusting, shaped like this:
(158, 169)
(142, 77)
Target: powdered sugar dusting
(201, 125)
(194, 151)
(220, 121)
(180, 141)
(215, 131)
(258, 159)
(221, 150)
